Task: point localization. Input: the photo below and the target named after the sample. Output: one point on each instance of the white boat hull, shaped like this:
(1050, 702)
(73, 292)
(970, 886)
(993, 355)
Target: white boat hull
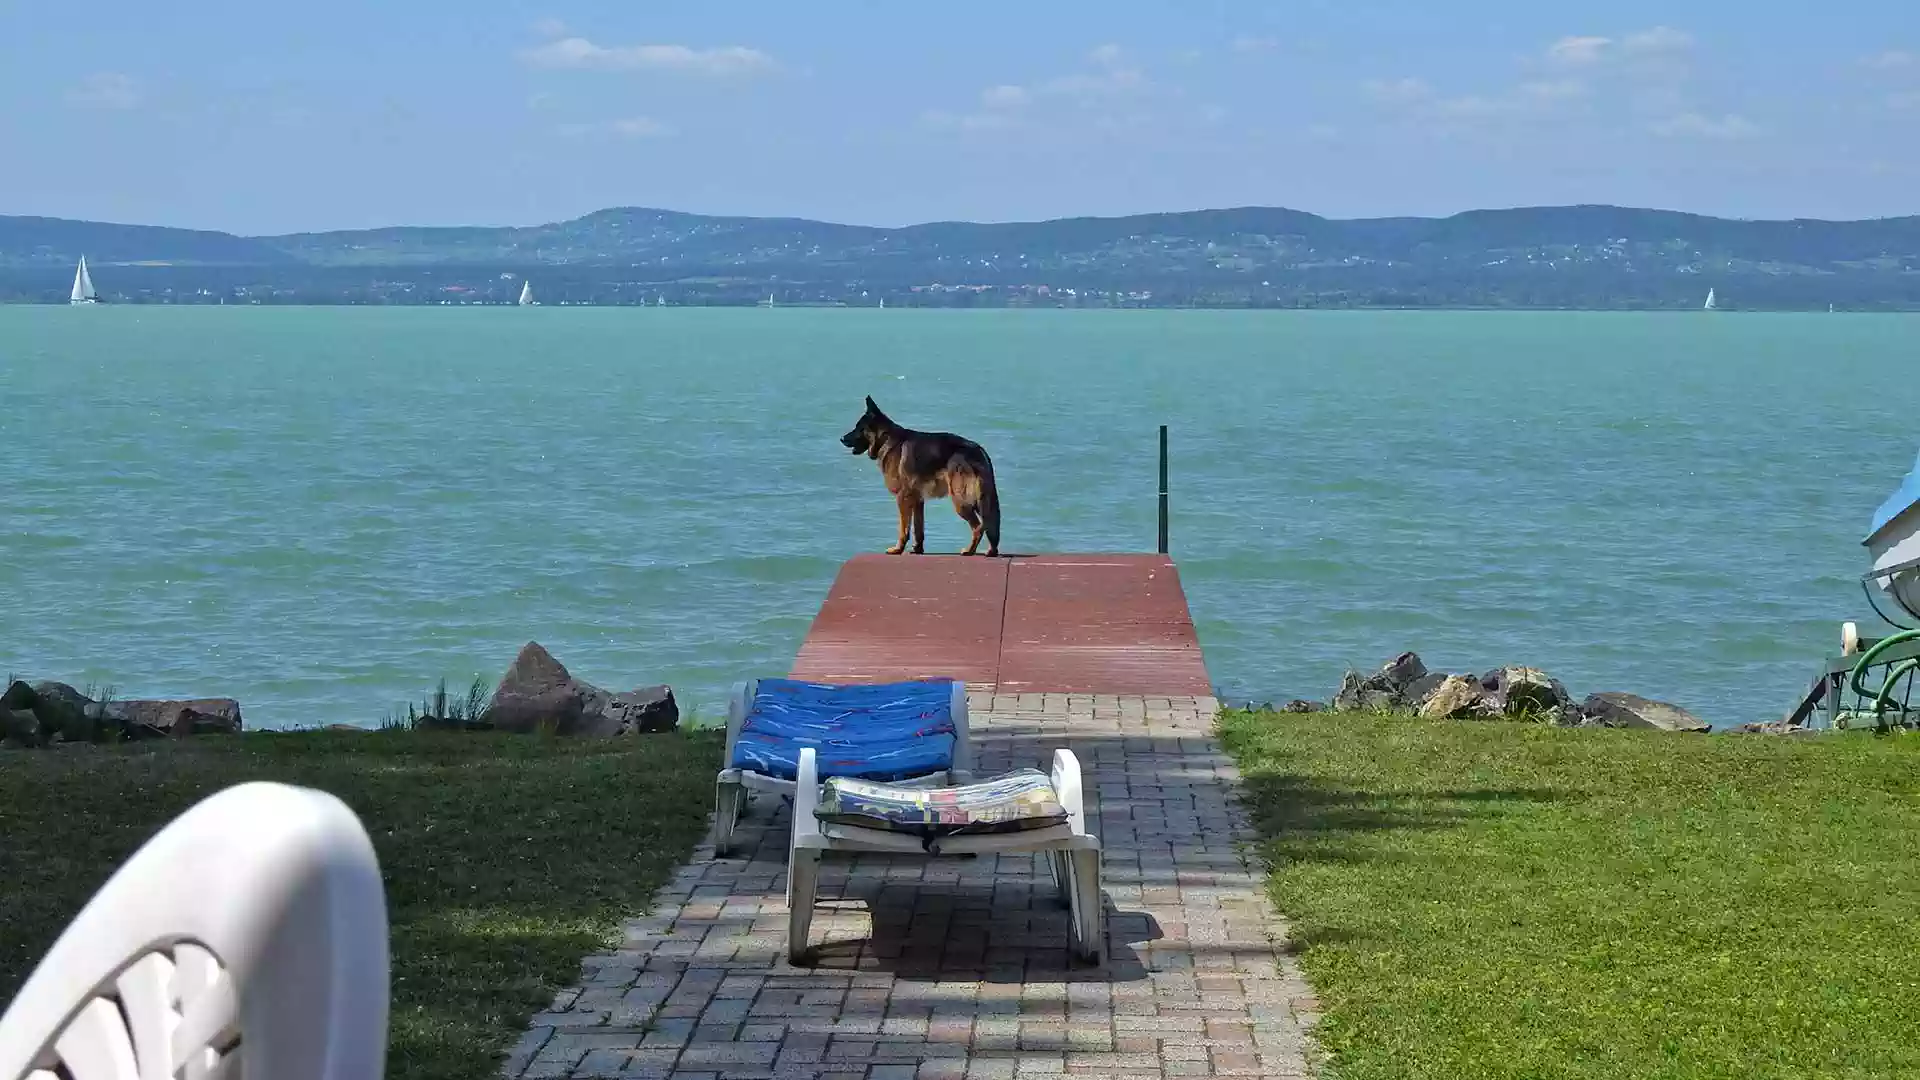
(1896, 543)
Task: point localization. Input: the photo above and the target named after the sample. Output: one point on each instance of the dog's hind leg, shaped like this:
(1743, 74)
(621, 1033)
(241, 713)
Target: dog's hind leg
(906, 506)
(919, 526)
(971, 515)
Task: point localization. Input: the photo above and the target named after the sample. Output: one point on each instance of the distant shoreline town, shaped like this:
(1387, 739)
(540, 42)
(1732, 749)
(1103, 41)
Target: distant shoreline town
(1554, 258)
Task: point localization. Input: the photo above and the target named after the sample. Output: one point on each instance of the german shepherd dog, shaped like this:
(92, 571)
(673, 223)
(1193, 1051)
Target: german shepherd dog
(922, 465)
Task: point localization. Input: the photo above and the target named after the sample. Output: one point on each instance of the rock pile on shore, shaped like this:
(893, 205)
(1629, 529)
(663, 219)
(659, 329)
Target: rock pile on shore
(1404, 685)
(52, 713)
(539, 694)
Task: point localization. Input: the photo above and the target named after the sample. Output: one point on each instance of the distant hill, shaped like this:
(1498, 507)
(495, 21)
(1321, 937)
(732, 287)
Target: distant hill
(1570, 256)
(27, 241)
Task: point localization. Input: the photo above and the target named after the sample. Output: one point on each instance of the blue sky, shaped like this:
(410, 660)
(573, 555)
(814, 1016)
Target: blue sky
(257, 117)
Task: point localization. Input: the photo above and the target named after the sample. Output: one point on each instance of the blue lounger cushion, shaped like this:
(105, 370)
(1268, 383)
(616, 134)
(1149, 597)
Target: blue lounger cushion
(884, 732)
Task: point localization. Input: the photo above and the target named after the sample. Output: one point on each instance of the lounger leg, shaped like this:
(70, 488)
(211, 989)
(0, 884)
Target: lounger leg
(962, 770)
(803, 882)
(729, 801)
(1061, 871)
(1089, 918)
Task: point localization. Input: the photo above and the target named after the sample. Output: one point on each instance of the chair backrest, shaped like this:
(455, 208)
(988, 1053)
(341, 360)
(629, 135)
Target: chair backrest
(250, 932)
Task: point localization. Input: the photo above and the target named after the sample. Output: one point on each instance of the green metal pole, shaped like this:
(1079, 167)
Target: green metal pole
(1163, 489)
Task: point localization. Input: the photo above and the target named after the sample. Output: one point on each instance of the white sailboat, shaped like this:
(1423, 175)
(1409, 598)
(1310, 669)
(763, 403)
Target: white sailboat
(526, 294)
(883, 303)
(769, 302)
(82, 286)
(1709, 305)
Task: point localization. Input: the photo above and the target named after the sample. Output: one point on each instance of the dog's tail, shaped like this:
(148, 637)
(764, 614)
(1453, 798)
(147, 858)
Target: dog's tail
(989, 504)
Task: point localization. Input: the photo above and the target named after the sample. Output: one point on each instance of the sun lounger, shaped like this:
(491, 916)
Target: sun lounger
(1024, 811)
(248, 938)
(893, 732)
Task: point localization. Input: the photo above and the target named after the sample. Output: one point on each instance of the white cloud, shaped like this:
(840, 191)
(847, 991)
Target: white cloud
(1417, 99)
(1640, 78)
(1213, 115)
(1097, 85)
(1578, 50)
(1009, 105)
(1004, 97)
(579, 53)
(1891, 60)
(105, 90)
(633, 127)
(1247, 43)
(1659, 40)
(550, 28)
(1083, 87)
(1692, 125)
(1584, 50)
(1906, 101)
(1397, 91)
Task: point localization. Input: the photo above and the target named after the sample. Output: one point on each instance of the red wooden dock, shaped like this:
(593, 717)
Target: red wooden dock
(1085, 624)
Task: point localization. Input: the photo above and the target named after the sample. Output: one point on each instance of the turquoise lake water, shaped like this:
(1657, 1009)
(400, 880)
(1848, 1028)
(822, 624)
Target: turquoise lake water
(322, 512)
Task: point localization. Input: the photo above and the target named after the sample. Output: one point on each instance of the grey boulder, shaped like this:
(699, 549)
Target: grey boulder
(1619, 710)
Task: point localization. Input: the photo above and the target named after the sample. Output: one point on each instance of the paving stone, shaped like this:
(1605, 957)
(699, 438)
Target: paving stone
(951, 969)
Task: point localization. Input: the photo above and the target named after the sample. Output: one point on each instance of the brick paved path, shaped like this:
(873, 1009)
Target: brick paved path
(959, 967)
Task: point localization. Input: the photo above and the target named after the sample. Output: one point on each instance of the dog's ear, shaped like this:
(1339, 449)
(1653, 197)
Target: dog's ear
(874, 410)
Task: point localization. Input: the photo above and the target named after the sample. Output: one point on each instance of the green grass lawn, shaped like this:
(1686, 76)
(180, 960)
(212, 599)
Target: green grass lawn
(1509, 900)
(506, 858)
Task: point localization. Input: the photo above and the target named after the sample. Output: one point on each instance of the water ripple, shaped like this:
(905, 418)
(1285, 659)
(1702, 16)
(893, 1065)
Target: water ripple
(324, 512)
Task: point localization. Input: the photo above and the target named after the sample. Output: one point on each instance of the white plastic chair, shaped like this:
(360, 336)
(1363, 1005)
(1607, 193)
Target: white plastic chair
(732, 785)
(1072, 854)
(247, 939)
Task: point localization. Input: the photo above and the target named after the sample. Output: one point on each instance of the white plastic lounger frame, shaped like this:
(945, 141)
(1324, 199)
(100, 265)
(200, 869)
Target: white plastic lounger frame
(1073, 855)
(731, 785)
(247, 939)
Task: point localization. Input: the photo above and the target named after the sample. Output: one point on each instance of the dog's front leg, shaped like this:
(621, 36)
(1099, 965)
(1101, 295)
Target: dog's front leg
(905, 502)
(919, 526)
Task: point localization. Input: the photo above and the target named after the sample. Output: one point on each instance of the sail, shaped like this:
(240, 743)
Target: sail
(526, 293)
(1709, 304)
(82, 284)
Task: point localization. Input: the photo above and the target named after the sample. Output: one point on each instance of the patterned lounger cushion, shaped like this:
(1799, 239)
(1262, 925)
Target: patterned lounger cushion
(886, 731)
(1012, 802)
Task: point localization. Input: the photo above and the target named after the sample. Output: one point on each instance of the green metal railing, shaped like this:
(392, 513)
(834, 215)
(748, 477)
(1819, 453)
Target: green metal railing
(1845, 695)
